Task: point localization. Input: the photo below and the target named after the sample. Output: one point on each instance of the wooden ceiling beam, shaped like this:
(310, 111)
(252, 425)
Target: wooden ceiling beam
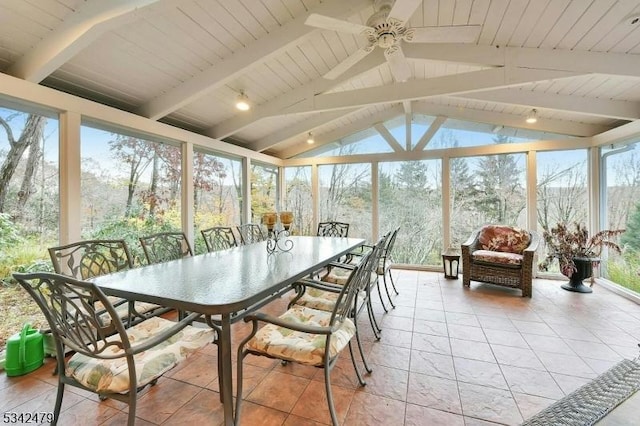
(76, 32)
(341, 132)
(420, 89)
(261, 50)
(552, 59)
(622, 110)
(292, 98)
(572, 128)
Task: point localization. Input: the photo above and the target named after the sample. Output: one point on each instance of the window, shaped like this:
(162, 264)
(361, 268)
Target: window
(457, 133)
(29, 207)
(264, 195)
(345, 196)
(298, 199)
(488, 189)
(562, 191)
(419, 240)
(621, 178)
(217, 193)
(130, 186)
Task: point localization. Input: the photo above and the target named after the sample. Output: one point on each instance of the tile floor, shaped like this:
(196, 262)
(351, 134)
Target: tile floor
(447, 356)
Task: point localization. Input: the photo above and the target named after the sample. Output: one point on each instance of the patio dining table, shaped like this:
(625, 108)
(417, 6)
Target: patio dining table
(226, 284)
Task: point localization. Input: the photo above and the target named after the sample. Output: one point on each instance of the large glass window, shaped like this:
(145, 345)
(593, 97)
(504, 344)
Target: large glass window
(366, 141)
(298, 199)
(488, 189)
(130, 186)
(457, 133)
(217, 193)
(562, 192)
(29, 207)
(264, 195)
(419, 240)
(621, 176)
(345, 196)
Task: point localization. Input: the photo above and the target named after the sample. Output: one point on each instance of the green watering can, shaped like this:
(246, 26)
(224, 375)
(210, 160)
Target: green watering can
(25, 352)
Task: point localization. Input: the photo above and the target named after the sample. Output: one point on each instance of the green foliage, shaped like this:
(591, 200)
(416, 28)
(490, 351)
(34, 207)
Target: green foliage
(9, 232)
(26, 256)
(131, 229)
(626, 272)
(631, 239)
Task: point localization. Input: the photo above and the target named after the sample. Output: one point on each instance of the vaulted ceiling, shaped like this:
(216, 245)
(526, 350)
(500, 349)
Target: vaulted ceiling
(184, 62)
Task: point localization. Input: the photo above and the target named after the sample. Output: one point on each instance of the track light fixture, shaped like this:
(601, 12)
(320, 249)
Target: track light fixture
(532, 117)
(242, 103)
(310, 139)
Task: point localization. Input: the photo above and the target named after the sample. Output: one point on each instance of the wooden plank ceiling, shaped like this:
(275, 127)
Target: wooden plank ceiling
(577, 62)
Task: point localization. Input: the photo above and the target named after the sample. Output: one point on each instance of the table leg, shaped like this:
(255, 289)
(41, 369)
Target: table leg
(225, 372)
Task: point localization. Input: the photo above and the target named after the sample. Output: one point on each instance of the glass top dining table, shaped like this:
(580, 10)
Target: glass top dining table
(224, 284)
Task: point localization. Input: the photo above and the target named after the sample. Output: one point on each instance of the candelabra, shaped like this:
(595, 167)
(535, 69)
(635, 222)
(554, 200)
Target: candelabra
(278, 226)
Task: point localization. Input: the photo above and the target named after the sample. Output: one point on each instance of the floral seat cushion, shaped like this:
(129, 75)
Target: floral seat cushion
(304, 348)
(340, 276)
(503, 258)
(323, 300)
(112, 375)
(506, 239)
(122, 309)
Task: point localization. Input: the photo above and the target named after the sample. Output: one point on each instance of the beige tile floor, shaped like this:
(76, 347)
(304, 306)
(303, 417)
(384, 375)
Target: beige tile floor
(448, 356)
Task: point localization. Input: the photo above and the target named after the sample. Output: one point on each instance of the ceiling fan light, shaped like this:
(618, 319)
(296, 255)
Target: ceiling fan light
(532, 117)
(310, 139)
(242, 103)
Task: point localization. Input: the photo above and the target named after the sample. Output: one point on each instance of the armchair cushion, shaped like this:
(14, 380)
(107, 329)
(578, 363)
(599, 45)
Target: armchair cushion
(501, 238)
(112, 375)
(304, 348)
(506, 259)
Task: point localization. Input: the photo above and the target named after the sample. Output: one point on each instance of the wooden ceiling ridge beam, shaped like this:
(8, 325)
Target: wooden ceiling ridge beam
(623, 110)
(621, 64)
(419, 89)
(292, 98)
(509, 120)
(299, 129)
(76, 32)
(259, 51)
(343, 131)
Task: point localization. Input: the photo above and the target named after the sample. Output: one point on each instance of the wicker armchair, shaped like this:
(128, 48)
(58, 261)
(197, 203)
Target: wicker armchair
(501, 255)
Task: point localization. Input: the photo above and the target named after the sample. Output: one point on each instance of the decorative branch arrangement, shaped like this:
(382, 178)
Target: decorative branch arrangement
(566, 244)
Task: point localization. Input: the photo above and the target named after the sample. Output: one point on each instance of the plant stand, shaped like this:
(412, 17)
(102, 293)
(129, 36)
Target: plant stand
(584, 269)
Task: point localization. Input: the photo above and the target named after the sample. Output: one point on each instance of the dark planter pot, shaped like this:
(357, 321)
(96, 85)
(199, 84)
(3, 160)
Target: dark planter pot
(584, 270)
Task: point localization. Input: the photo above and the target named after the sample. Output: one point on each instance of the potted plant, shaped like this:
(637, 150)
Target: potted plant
(576, 252)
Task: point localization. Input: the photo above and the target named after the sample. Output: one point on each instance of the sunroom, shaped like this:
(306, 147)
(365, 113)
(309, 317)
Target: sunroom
(123, 119)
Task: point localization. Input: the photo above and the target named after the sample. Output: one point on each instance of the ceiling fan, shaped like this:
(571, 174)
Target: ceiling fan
(385, 28)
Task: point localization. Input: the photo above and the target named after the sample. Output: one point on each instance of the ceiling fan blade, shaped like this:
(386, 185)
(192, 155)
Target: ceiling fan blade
(333, 24)
(348, 63)
(398, 63)
(403, 9)
(452, 34)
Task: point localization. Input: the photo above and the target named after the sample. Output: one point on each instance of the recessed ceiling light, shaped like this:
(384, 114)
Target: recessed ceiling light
(532, 117)
(242, 103)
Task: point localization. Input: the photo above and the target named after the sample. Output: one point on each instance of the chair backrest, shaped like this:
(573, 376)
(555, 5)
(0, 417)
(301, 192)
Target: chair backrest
(91, 258)
(69, 307)
(219, 238)
(358, 279)
(391, 240)
(165, 246)
(333, 229)
(250, 233)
